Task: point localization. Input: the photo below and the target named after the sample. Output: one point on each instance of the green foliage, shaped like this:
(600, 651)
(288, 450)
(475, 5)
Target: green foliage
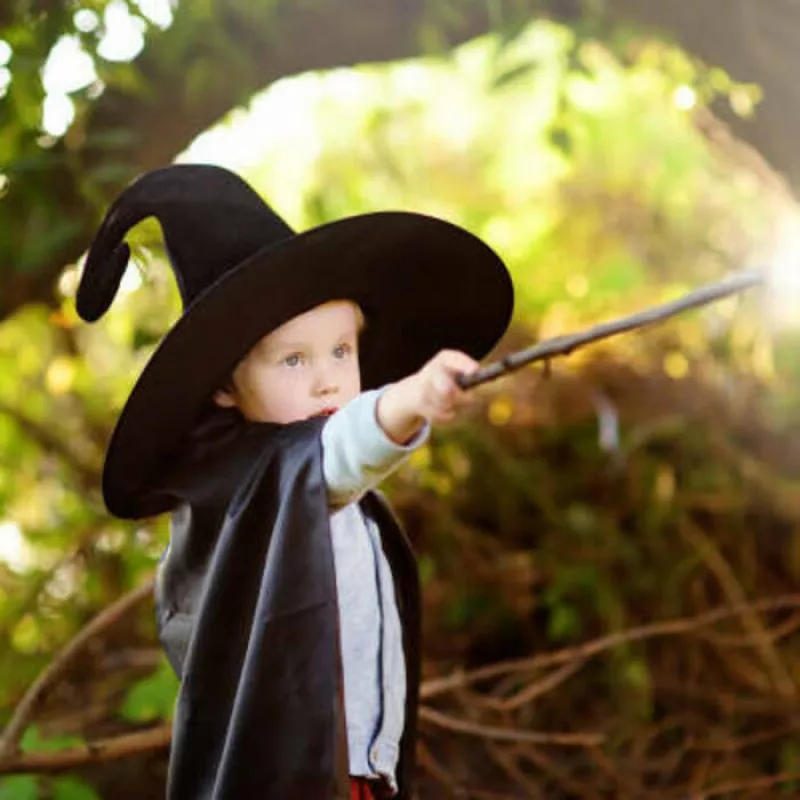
(73, 789)
(23, 787)
(152, 698)
(19, 787)
(32, 742)
(30, 787)
(582, 165)
(31, 156)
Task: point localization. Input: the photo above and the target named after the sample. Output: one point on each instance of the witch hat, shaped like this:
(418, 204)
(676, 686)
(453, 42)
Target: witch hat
(423, 284)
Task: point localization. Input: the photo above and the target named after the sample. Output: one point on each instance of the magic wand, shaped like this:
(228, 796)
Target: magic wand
(563, 345)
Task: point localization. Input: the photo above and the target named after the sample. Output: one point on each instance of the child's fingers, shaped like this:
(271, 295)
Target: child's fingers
(446, 395)
(457, 362)
(443, 384)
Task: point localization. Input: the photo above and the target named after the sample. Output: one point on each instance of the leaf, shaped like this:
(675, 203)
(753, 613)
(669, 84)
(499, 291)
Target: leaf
(31, 742)
(26, 635)
(111, 172)
(111, 139)
(512, 74)
(19, 787)
(143, 337)
(564, 622)
(49, 238)
(153, 698)
(561, 138)
(427, 569)
(73, 789)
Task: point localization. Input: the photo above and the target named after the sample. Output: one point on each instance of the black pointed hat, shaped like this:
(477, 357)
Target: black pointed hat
(423, 284)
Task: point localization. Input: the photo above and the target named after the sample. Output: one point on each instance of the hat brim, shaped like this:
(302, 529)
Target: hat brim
(422, 283)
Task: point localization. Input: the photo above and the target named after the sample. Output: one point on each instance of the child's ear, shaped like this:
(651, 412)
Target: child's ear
(224, 399)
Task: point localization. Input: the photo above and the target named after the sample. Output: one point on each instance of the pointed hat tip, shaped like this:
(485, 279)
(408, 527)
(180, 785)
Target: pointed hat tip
(99, 283)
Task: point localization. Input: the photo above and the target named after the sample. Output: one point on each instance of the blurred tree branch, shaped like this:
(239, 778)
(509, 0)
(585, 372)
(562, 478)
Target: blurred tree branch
(108, 749)
(27, 706)
(88, 477)
(437, 686)
(159, 737)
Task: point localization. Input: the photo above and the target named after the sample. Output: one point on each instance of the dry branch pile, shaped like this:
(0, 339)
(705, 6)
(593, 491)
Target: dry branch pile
(616, 614)
(610, 572)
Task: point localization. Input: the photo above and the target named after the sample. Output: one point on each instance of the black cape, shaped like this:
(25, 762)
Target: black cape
(248, 616)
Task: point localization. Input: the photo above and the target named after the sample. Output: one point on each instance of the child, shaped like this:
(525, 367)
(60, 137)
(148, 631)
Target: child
(304, 368)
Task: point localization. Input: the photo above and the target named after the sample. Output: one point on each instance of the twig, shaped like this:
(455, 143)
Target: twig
(564, 345)
(732, 745)
(436, 686)
(27, 706)
(139, 658)
(724, 701)
(700, 774)
(507, 762)
(92, 753)
(780, 631)
(73, 723)
(747, 670)
(736, 594)
(534, 690)
(741, 154)
(37, 585)
(623, 783)
(747, 786)
(508, 734)
(557, 772)
(88, 477)
(431, 765)
(780, 491)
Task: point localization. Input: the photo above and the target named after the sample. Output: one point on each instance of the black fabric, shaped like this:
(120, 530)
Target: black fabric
(247, 611)
(211, 220)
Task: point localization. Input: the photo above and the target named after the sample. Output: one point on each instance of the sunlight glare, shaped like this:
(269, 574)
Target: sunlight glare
(159, 12)
(124, 37)
(68, 67)
(784, 289)
(58, 111)
(86, 20)
(15, 552)
(685, 98)
(281, 114)
(131, 281)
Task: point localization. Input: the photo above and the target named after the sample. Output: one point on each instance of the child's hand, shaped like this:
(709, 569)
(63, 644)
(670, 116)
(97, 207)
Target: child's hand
(431, 394)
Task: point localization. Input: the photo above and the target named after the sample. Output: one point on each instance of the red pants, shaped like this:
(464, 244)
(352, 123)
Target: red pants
(362, 789)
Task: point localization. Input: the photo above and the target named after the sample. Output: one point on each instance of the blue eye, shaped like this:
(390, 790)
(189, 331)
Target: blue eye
(292, 361)
(341, 350)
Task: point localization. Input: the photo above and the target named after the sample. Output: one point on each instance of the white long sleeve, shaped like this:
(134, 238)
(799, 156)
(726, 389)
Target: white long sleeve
(356, 452)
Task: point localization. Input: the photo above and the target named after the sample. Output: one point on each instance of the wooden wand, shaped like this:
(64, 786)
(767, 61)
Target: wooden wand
(564, 345)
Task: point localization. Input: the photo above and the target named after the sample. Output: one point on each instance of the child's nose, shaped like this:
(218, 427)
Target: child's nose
(325, 383)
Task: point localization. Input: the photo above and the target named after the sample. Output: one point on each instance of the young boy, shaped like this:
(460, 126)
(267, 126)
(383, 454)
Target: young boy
(288, 599)
(309, 367)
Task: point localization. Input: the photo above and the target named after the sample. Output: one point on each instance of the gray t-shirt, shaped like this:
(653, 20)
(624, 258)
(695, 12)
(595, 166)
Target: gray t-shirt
(356, 456)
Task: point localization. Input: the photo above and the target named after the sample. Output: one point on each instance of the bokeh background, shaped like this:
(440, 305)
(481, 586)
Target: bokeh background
(610, 548)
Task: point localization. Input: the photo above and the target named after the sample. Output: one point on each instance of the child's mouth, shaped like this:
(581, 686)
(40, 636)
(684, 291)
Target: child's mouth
(326, 412)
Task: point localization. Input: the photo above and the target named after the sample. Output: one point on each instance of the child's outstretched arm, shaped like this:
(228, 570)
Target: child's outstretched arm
(369, 437)
(429, 395)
